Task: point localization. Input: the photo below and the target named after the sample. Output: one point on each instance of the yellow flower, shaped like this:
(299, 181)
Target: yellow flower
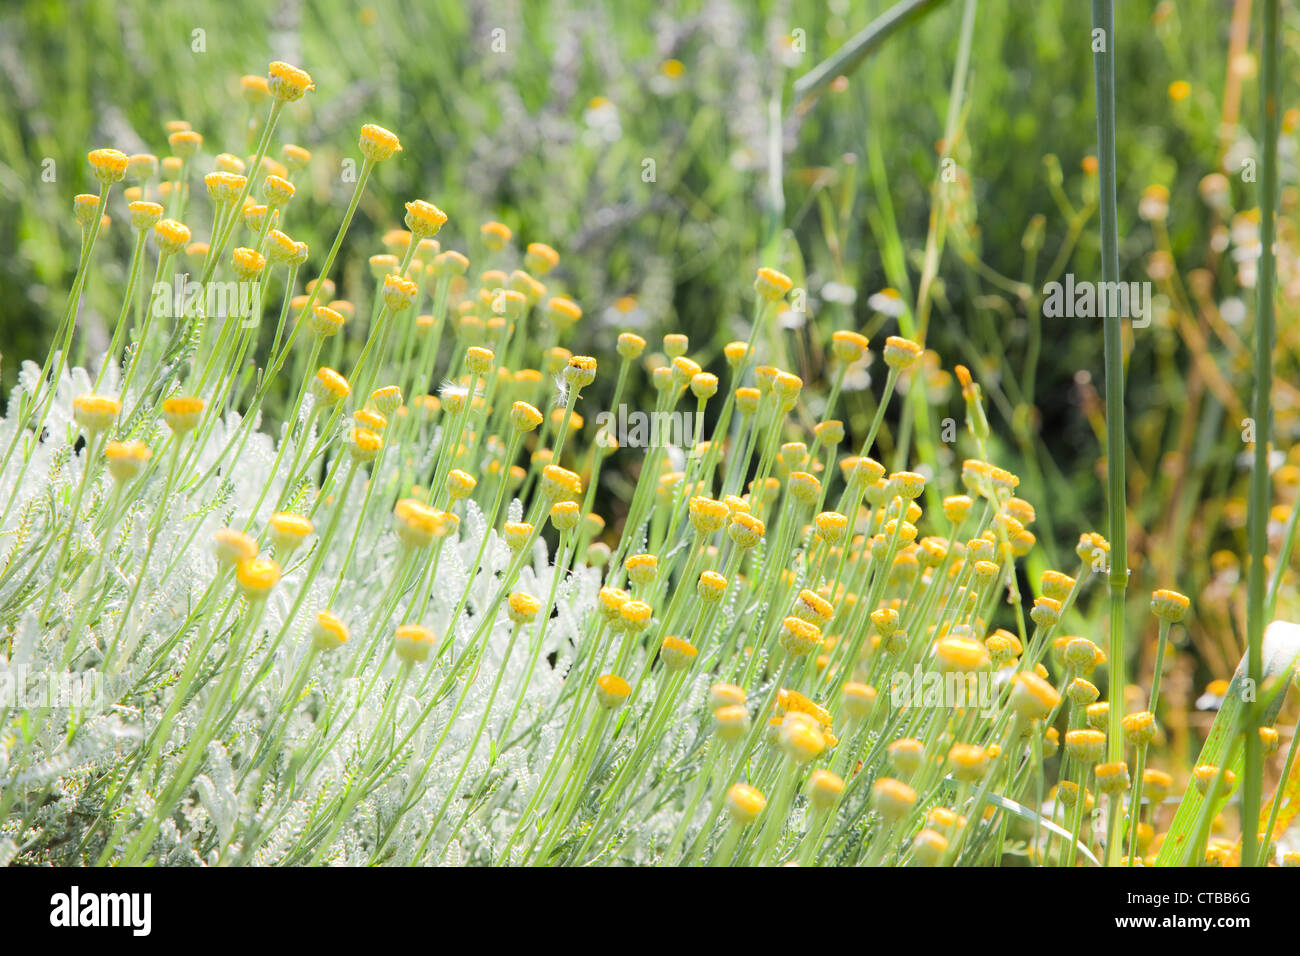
(287, 531)
(108, 165)
(772, 285)
(363, 444)
(413, 643)
(182, 412)
(233, 547)
(328, 387)
(256, 577)
(1169, 605)
(540, 258)
(378, 144)
(800, 638)
(848, 346)
(560, 484)
(744, 803)
(126, 458)
(288, 83)
(185, 142)
(171, 236)
(901, 353)
(612, 691)
(328, 632)
(523, 607)
(416, 523)
(424, 219)
(892, 799)
(95, 413)
(676, 653)
(1033, 698)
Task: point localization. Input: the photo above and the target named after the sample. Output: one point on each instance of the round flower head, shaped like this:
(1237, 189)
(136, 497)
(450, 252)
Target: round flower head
(277, 191)
(363, 444)
(225, 187)
(581, 371)
(1085, 745)
(968, 761)
(1033, 698)
(800, 638)
(1082, 693)
(256, 577)
(126, 458)
(704, 385)
(1112, 777)
(859, 700)
(517, 534)
(144, 215)
(726, 695)
(812, 607)
(560, 484)
(287, 531)
(676, 653)
(254, 89)
(233, 547)
(522, 607)
(399, 292)
(495, 235)
(848, 346)
(706, 514)
(328, 387)
(460, 484)
(711, 586)
(248, 263)
(182, 412)
(1046, 612)
(288, 83)
(416, 523)
(635, 616)
(612, 691)
(960, 654)
(185, 143)
(772, 285)
(744, 803)
(745, 530)
(388, 399)
(1169, 605)
(1097, 714)
(171, 236)
(804, 488)
(413, 643)
(478, 359)
(731, 721)
(642, 569)
(906, 755)
(1156, 785)
(424, 219)
(95, 413)
(1204, 776)
(295, 157)
(86, 208)
(901, 353)
(892, 799)
(108, 165)
(824, 788)
(524, 417)
(929, 847)
(328, 633)
(610, 602)
(630, 345)
(800, 738)
(831, 526)
(735, 353)
(142, 167)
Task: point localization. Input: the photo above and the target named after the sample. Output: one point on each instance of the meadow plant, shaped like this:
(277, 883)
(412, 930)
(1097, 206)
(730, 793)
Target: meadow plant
(326, 615)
